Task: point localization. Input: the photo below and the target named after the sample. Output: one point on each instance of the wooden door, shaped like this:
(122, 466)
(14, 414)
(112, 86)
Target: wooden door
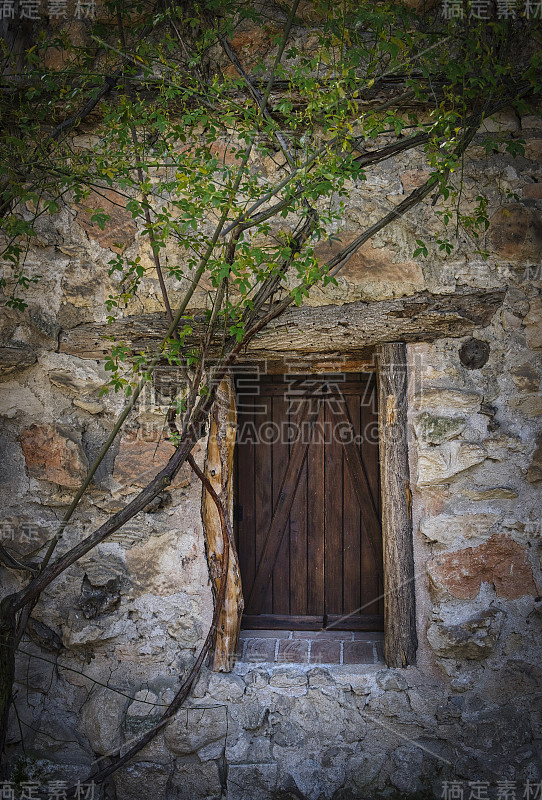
(308, 503)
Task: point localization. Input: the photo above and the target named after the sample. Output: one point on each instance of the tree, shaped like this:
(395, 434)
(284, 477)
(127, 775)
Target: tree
(158, 86)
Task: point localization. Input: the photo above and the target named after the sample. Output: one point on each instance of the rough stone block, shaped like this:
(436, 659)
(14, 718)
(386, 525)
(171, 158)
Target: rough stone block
(226, 687)
(139, 459)
(496, 493)
(448, 460)
(130, 779)
(473, 638)
(431, 429)
(515, 233)
(447, 400)
(194, 728)
(373, 269)
(533, 324)
(251, 781)
(288, 678)
(119, 230)
(102, 719)
(534, 473)
(447, 528)
(190, 781)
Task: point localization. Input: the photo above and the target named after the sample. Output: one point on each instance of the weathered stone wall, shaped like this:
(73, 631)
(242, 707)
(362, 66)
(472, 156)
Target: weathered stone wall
(115, 634)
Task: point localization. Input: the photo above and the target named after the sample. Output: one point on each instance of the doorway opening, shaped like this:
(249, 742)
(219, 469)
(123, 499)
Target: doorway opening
(307, 502)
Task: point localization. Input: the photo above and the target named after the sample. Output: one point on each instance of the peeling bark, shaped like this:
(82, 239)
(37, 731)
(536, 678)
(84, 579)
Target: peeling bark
(219, 472)
(400, 640)
(346, 329)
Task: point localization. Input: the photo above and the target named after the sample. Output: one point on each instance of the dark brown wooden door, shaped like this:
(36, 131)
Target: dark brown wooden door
(308, 502)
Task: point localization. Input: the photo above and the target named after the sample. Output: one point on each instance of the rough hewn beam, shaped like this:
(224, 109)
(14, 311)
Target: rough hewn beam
(399, 601)
(345, 329)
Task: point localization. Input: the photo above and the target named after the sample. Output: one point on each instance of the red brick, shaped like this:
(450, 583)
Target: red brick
(335, 636)
(325, 652)
(260, 650)
(293, 651)
(358, 653)
(380, 651)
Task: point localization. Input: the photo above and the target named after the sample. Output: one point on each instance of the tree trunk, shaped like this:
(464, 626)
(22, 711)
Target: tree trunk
(219, 471)
(399, 600)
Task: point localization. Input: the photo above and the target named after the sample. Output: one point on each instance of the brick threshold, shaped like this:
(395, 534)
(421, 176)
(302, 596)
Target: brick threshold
(310, 647)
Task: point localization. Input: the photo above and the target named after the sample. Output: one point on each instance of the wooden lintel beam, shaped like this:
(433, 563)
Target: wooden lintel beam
(323, 332)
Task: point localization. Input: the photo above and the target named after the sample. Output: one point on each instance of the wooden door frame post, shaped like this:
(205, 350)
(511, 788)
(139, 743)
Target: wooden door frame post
(219, 472)
(400, 639)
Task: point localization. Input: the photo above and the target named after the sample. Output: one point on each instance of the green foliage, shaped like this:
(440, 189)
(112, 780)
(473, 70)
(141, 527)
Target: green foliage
(178, 131)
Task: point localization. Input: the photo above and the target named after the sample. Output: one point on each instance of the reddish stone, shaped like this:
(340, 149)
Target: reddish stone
(500, 561)
(226, 154)
(533, 191)
(53, 454)
(251, 45)
(372, 264)
(515, 232)
(534, 473)
(141, 457)
(413, 178)
(120, 229)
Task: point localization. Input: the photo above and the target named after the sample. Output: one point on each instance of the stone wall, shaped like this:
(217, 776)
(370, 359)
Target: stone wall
(112, 637)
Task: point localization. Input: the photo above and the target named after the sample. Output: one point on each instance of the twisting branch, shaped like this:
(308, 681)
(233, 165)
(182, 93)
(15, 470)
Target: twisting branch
(182, 694)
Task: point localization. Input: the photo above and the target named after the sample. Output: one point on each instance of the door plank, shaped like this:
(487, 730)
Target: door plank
(352, 525)
(315, 519)
(372, 586)
(362, 489)
(245, 493)
(275, 531)
(281, 573)
(367, 622)
(333, 509)
(298, 529)
(263, 489)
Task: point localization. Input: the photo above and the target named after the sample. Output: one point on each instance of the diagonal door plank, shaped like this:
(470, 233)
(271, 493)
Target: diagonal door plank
(361, 486)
